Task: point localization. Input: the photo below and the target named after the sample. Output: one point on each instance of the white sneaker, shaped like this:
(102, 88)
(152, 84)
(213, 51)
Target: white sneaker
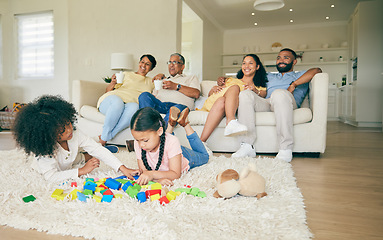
(234, 127)
(286, 155)
(210, 152)
(246, 150)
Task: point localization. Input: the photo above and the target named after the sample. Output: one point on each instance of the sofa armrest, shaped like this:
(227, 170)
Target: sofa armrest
(319, 97)
(86, 93)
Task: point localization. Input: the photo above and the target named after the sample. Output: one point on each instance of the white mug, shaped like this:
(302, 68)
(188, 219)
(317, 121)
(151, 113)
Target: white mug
(120, 77)
(158, 84)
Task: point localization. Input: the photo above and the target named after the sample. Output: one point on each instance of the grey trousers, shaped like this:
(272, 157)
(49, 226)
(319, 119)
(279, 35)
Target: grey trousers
(281, 102)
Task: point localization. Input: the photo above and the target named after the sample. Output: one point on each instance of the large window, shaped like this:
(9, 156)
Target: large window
(35, 45)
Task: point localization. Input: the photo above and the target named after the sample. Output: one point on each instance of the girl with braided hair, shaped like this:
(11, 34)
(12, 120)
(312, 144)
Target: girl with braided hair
(159, 154)
(45, 129)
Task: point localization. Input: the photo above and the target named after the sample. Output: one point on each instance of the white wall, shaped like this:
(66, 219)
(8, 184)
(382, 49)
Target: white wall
(86, 33)
(212, 44)
(314, 35)
(15, 90)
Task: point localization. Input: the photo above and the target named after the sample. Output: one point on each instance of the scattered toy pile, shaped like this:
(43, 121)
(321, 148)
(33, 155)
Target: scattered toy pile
(105, 189)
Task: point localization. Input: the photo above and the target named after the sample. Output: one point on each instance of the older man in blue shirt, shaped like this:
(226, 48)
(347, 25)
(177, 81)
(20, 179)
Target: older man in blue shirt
(285, 92)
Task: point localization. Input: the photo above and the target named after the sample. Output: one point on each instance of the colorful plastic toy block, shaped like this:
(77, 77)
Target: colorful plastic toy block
(73, 194)
(137, 186)
(97, 198)
(194, 191)
(29, 198)
(91, 187)
(171, 195)
(113, 184)
(107, 192)
(155, 186)
(87, 192)
(57, 193)
(152, 192)
(136, 177)
(107, 198)
(164, 200)
(155, 197)
(73, 184)
(126, 185)
(62, 196)
(132, 192)
(141, 196)
(118, 195)
(201, 194)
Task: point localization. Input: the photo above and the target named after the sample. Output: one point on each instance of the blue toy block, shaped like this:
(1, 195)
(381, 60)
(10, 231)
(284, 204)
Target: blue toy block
(81, 197)
(91, 187)
(107, 198)
(112, 184)
(126, 185)
(120, 177)
(141, 196)
(136, 177)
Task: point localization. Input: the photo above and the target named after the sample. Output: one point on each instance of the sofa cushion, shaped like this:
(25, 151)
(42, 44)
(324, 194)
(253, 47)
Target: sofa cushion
(92, 114)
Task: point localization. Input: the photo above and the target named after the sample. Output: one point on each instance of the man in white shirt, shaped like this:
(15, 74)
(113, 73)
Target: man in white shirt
(177, 90)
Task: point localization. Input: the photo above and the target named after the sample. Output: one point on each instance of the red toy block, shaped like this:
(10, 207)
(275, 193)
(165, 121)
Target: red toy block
(164, 200)
(108, 192)
(73, 184)
(152, 192)
(103, 186)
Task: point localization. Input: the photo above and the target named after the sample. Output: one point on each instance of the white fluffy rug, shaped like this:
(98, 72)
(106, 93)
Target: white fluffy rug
(280, 215)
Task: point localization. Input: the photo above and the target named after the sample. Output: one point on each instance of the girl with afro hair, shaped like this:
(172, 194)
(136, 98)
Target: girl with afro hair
(45, 128)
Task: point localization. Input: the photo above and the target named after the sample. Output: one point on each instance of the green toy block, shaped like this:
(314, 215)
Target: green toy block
(132, 192)
(194, 191)
(201, 194)
(122, 181)
(87, 192)
(136, 186)
(29, 198)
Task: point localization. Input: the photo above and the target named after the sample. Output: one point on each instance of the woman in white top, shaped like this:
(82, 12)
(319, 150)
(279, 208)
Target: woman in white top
(45, 128)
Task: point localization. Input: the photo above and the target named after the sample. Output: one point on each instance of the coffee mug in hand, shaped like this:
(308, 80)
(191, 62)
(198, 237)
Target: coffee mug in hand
(158, 84)
(120, 77)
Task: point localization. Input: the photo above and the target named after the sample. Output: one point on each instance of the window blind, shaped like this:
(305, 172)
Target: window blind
(35, 45)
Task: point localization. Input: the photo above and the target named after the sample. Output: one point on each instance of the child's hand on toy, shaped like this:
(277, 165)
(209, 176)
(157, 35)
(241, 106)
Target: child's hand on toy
(90, 165)
(144, 178)
(165, 182)
(129, 172)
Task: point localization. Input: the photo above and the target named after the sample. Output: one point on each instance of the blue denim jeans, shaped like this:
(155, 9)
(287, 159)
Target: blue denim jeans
(147, 99)
(198, 155)
(117, 116)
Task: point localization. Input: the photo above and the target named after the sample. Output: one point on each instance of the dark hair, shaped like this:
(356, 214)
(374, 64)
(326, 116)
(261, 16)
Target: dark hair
(151, 59)
(290, 50)
(260, 78)
(148, 119)
(182, 59)
(38, 125)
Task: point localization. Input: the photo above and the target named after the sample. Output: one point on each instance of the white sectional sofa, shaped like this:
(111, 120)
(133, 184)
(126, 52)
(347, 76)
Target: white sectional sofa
(310, 121)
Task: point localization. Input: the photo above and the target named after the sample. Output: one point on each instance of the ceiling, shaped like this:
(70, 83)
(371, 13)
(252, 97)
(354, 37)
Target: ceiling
(237, 14)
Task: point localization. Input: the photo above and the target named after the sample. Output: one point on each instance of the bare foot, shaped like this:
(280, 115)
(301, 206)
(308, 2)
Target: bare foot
(101, 141)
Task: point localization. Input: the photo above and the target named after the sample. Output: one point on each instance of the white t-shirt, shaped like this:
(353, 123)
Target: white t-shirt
(60, 167)
(166, 95)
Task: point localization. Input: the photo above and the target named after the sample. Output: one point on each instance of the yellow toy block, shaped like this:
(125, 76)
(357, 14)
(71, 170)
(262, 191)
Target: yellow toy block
(102, 180)
(145, 186)
(171, 195)
(99, 189)
(73, 194)
(155, 197)
(118, 195)
(62, 196)
(155, 186)
(57, 193)
(97, 198)
(178, 193)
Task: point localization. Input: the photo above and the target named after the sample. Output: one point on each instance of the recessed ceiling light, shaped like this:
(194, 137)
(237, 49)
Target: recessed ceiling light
(252, 13)
(332, 5)
(255, 24)
(291, 20)
(291, 10)
(327, 18)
